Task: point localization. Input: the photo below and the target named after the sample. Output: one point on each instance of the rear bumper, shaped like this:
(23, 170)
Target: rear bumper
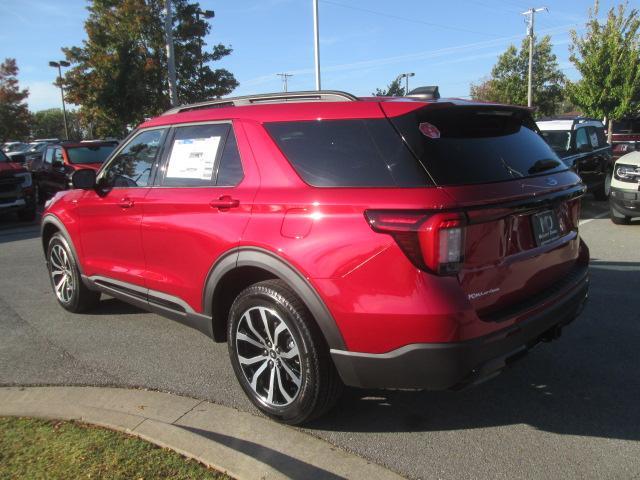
(443, 366)
(626, 202)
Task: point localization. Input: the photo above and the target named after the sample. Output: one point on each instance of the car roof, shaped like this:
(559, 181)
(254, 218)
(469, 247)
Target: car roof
(304, 106)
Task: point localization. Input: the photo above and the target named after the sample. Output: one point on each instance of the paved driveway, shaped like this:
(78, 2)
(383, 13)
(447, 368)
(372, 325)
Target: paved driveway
(571, 409)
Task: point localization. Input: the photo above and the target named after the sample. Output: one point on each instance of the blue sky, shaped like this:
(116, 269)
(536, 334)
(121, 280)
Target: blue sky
(364, 44)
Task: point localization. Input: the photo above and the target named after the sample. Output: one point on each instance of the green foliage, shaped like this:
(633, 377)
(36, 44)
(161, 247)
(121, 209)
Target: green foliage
(509, 77)
(394, 89)
(14, 113)
(54, 449)
(608, 59)
(50, 124)
(119, 73)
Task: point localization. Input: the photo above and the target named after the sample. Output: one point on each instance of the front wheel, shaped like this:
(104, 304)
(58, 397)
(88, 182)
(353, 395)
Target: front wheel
(67, 285)
(279, 356)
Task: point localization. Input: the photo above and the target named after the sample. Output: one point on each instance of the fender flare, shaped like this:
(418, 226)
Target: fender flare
(51, 219)
(266, 260)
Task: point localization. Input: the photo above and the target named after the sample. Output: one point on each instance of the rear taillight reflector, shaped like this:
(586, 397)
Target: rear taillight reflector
(432, 241)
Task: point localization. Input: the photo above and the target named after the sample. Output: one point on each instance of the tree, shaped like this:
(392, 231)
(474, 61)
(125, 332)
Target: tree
(608, 58)
(394, 89)
(119, 73)
(50, 124)
(14, 113)
(508, 80)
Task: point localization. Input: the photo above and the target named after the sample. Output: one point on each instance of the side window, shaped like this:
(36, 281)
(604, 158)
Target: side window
(602, 138)
(48, 158)
(593, 137)
(57, 155)
(582, 138)
(132, 166)
(194, 154)
(230, 170)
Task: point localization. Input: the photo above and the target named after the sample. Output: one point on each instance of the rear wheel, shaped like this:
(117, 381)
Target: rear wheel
(67, 285)
(603, 191)
(618, 218)
(279, 356)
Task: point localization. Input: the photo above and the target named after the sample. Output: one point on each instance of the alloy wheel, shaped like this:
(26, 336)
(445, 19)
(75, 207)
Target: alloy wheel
(268, 356)
(62, 274)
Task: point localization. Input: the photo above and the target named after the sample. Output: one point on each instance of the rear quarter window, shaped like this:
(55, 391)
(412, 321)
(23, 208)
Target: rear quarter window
(348, 153)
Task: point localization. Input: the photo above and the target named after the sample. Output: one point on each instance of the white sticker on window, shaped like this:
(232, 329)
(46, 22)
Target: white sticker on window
(193, 158)
(593, 136)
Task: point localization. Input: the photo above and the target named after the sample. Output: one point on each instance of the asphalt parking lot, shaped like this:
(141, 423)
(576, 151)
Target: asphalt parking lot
(571, 409)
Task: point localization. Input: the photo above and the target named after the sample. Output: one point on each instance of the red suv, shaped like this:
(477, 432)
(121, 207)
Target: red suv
(332, 240)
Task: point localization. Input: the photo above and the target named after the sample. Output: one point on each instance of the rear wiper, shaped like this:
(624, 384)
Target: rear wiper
(542, 165)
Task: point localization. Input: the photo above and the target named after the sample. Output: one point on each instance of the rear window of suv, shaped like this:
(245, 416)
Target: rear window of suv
(467, 145)
(348, 153)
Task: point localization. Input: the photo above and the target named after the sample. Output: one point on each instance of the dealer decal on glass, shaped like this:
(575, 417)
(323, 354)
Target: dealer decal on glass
(193, 158)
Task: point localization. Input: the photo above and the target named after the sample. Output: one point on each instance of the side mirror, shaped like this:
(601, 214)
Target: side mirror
(84, 179)
(56, 164)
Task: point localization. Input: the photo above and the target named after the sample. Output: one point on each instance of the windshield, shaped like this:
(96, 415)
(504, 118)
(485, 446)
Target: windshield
(36, 147)
(559, 140)
(15, 147)
(3, 157)
(627, 126)
(90, 154)
(477, 144)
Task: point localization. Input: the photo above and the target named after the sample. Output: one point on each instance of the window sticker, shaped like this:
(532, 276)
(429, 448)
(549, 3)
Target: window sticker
(193, 158)
(593, 136)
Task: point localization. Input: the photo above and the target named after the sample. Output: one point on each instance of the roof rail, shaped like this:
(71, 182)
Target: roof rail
(282, 97)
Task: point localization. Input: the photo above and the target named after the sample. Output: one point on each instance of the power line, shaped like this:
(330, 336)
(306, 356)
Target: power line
(407, 19)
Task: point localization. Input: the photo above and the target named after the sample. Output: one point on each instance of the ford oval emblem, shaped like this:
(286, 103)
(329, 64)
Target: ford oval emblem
(552, 182)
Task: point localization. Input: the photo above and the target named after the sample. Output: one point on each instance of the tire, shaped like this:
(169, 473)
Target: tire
(618, 218)
(73, 295)
(298, 353)
(28, 214)
(602, 192)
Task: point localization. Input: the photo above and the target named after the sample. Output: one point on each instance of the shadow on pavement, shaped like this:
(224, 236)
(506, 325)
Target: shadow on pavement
(113, 306)
(586, 383)
(291, 467)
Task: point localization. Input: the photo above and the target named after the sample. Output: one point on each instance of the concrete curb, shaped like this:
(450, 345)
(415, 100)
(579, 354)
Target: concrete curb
(242, 445)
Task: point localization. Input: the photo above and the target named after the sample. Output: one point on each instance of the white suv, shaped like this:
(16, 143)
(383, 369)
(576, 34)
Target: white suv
(624, 202)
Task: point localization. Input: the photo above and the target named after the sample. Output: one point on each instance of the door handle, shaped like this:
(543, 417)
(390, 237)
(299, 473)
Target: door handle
(126, 202)
(225, 202)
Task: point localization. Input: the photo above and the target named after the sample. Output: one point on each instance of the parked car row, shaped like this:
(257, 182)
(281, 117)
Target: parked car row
(610, 172)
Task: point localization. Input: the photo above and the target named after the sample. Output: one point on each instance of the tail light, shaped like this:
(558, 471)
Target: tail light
(433, 242)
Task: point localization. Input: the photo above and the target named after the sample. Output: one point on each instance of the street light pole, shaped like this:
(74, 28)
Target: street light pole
(59, 66)
(530, 14)
(316, 43)
(406, 80)
(171, 65)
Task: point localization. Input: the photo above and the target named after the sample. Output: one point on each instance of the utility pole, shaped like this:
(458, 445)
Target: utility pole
(285, 79)
(171, 61)
(59, 65)
(406, 81)
(530, 14)
(316, 43)
(206, 14)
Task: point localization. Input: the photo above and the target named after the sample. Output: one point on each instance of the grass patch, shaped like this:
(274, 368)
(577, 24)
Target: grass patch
(32, 448)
